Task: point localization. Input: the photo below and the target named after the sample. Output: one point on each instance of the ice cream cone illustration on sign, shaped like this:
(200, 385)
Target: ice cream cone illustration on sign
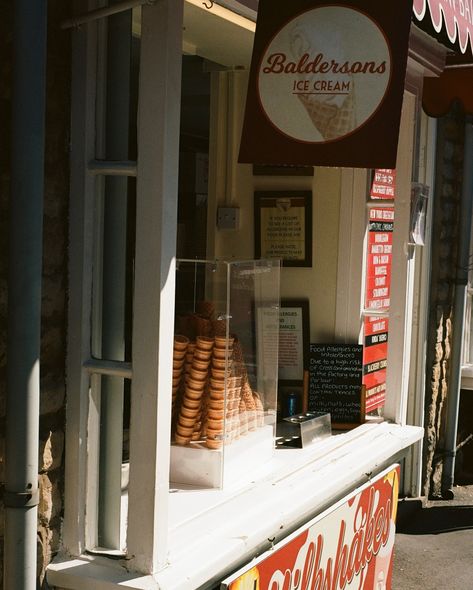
(324, 74)
(331, 102)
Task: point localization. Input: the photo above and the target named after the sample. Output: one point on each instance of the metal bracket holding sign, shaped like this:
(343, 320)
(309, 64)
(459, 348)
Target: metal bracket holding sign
(303, 430)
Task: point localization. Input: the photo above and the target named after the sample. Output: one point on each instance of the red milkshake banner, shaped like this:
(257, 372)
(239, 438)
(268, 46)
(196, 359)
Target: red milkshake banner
(347, 547)
(326, 83)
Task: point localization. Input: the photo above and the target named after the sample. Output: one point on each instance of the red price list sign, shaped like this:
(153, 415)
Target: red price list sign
(375, 353)
(378, 288)
(384, 184)
(379, 258)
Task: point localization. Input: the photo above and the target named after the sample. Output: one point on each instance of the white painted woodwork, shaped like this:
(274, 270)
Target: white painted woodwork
(80, 280)
(351, 235)
(153, 315)
(417, 382)
(400, 313)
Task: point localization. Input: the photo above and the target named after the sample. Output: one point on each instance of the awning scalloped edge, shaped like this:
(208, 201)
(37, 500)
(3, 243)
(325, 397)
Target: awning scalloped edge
(454, 16)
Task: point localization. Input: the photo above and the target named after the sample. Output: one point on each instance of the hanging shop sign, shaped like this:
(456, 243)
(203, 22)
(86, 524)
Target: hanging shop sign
(451, 19)
(326, 83)
(348, 546)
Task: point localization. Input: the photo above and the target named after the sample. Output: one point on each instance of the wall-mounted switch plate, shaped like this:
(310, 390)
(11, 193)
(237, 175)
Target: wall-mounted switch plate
(228, 217)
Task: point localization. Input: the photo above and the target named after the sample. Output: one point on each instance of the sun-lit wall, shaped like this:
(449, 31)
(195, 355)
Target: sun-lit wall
(233, 185)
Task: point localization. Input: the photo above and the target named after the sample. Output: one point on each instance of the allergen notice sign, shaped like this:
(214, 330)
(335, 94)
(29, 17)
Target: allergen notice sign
(335, 382)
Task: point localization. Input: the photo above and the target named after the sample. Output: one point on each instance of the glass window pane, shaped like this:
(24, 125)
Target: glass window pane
(114, 397)
(113, 269)
(378, 289)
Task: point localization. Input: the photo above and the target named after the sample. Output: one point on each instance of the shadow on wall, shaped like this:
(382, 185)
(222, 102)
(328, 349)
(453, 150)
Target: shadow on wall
(437, 520)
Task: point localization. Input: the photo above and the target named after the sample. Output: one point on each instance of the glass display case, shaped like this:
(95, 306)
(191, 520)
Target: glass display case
(225, 371)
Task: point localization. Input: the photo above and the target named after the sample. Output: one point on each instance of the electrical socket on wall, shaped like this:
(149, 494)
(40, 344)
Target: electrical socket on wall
(228, 217)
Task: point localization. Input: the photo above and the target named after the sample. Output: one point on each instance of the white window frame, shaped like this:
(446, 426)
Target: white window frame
(157, 166)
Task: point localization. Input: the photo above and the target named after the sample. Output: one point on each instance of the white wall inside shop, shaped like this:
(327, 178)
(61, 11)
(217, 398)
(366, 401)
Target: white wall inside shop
(232, 185)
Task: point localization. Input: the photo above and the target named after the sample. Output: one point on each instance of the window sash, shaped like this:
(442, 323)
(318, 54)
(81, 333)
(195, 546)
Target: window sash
(156, 171)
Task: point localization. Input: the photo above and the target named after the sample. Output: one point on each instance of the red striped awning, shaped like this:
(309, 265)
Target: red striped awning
(440, 93)
(451, 19)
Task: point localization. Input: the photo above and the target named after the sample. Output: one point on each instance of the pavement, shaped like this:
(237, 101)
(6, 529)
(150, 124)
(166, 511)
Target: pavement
(434, 543)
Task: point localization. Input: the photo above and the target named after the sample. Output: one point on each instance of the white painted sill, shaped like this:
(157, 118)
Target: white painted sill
(212, 533)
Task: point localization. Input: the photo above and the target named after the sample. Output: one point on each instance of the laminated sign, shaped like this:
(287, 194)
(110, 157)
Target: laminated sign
(326, 83)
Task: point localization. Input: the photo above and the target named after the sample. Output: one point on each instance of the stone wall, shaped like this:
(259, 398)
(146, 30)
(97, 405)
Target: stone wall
(448, 186)
(54, 299)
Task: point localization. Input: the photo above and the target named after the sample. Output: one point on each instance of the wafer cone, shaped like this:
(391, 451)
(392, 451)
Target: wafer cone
(259, 409)
(243, 418)
(206, 309)
(219, 327)
(247, 397)
(202, 326)
(330, 120)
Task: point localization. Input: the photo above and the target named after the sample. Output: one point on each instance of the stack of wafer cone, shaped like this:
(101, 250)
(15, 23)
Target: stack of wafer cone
(206, 309)
(250, 406)
(178, 363)
(259, 409)
(216, 403)
(248, 414)
(232, 408)
(190, 413)
(243, 418)
(219, 327)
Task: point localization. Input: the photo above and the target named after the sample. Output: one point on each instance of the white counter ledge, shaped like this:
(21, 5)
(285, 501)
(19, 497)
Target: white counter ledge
(212, 533)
